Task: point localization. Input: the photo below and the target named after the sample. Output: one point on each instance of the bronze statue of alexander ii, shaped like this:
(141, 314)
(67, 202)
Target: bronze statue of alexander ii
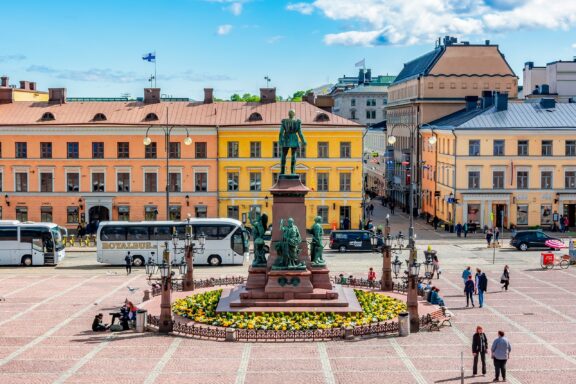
(290, 139)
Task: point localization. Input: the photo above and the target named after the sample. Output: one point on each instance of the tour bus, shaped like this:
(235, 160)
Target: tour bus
(226, 241)
(29, 243)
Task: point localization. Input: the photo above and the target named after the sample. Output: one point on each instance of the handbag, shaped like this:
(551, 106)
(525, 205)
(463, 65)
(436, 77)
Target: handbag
(503, 279)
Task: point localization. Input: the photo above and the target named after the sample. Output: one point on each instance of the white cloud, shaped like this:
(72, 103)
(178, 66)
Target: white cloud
(224, 29)
(574, 45)
(235, 9)
(303, 8)
(378, 22)
(274, 39)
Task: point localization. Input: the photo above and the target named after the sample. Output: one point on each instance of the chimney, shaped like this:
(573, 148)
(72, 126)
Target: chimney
(487, 99)
(487, 42)
(267, 95)
(208, 95)
(361, 76)
(151, 95)
(368, 76)
(24, 84)
(529, 65)
(4, 82)
(547, 103)
(57, 95)
(471, 102)
(545, 89)
(501, 101)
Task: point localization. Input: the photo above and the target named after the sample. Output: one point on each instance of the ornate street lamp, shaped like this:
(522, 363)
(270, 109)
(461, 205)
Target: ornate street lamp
(415, 269)
(396, 265)
(190, 250)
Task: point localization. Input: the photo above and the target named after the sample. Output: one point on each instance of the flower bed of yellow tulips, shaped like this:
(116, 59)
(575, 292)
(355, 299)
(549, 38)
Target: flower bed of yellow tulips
(201, 308)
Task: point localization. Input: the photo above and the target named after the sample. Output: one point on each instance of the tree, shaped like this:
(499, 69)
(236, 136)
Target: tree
(298, 95)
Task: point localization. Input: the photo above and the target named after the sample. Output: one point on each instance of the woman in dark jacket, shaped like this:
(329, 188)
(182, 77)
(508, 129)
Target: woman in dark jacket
(479, 349)
(505, 278)
(469, 291)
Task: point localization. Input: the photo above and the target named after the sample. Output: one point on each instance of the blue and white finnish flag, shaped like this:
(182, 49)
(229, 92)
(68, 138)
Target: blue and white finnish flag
(149, 57)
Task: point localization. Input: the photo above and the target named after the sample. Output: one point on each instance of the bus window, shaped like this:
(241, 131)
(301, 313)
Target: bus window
(113, 233)
(137, 233)
(161, 232)
(224, 231)
(8, 234)
(210, 231)
(238, 241)
(29, 234)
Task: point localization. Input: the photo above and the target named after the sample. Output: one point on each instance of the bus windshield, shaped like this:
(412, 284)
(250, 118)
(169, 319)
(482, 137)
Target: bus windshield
(57, 236)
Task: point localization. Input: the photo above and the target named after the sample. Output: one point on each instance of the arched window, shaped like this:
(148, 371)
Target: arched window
(255, 117)
(322, 117)
(151, 117)
(100, 117)
(47, 116)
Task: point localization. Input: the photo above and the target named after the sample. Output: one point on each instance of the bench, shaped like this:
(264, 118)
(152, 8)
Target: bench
(439, 318)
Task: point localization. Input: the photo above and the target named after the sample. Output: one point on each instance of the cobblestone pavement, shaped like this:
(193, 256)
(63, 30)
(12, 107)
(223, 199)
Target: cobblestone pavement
(45, 316)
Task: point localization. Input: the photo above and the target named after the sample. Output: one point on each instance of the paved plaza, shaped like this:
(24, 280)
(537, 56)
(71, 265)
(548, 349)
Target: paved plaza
(45, 317)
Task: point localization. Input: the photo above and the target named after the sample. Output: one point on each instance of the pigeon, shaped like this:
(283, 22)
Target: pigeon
(2, 299)
(132, 290)
(111, 273)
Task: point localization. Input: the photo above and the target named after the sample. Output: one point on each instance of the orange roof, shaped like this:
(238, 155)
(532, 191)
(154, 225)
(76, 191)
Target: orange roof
(179, 113)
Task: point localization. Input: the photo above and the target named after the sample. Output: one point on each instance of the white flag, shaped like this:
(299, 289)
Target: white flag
(361, 63)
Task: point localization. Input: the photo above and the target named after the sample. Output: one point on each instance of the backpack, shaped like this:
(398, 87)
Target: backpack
(483, 282)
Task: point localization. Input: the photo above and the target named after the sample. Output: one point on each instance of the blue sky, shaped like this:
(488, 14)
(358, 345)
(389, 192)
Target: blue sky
(94, 48)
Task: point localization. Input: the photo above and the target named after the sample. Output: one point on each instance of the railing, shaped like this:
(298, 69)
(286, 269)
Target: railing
(400, 286)
(204, 283)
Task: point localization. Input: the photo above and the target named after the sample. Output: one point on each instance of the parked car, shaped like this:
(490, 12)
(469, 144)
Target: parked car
(523, 240)
(351, 240)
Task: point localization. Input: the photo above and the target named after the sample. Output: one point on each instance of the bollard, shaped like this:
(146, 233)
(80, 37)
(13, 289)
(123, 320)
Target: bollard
(230, 334)
(146, 295)
(348, 333)
(141, 320)
(403, 324)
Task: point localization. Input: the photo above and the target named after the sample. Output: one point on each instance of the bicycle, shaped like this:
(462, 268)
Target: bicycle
(548, 261)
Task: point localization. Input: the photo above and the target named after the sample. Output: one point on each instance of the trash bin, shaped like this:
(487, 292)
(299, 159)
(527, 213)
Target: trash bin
(429, 254)
(141, 320)
(403, 324)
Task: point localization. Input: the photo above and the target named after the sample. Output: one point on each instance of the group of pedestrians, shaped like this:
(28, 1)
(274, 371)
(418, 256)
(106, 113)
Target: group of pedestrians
(474, 286)
(500, 351)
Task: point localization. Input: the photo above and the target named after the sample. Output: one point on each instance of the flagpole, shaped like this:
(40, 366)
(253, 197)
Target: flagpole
(155, 85)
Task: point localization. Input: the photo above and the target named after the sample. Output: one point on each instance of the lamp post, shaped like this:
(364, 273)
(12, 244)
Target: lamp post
(167, 133)
(188, 283)
(386, 284)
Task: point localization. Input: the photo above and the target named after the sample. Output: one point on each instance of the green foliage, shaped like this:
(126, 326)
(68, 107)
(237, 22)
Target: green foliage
(247, 97)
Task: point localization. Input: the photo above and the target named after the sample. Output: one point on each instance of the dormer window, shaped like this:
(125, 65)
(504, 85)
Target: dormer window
(322, 117)
(151, 117)
(100, 117)
(47, 116)
(255, 117)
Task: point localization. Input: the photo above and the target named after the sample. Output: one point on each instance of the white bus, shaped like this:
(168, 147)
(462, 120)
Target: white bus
(226, 241)
(28, 243)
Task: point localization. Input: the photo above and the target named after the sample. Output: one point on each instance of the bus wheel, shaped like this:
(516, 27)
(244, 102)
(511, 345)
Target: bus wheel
(27, 261)
(214, 260)
(138, 261)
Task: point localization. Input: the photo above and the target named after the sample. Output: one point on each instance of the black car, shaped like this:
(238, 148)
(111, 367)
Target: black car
(530, 239)
(351, 240)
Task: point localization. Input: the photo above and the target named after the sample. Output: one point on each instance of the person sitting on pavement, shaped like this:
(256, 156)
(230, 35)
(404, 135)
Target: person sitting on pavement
(436, 299)
(342, 279)
(132, 308)
(97, 325)
(123, 316)
(429, 296)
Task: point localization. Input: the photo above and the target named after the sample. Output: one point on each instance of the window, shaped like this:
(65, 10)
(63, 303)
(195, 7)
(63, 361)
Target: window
(46, 182)
(522, 179)
(201, 181)
(99, 117)
(123, 181)
(473, 147)
(322, 211)
(21, 179)
(201, 211)
(232, 178)
(150, 213)
(45, 150)
(353, 114)
(274, 177)
(498, 179)
(151, 117)
(545, 215)
(473, 179)
(546, 147)
(522, 214)
(301, 152)
(233, 149)
(72, 215)
(345, 181)
(546, 179)
(371, 102)
(498, 147)
(175, 212)
(137, 233)
(72, 150)
(150, 151)
(323, 149)
(370, 114)
(353, 102)
(570, 147)
(255, 181)
(302, 178)
(8, 234)
(320, 117)
(113, 233)
(46, 214)
(22, 213)
(275, 149)
(255, 149)
(570, 179)
(522, 147)
(345, 150)
(0, 150)
(123, 150)
(322, 182)
(233, 212)
(255, 117)
(98, 150)
(21, 150)
(174, 183)
(174, 150)
(98, 182)
(73, 182)
(150, 182)
(201, 150)
(123, 213)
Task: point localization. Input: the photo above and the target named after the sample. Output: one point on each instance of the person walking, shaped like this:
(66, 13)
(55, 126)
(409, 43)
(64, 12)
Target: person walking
(505, 278)
(128, 261)
(479, 349)
(561, 223)
(435, 222)
(391, 206)
(465, 228)
(371, 277)
(489, 237)
(496, 235)
(435, 266)
(566, 224)
(469, 291)
(481, 286)
(459, 230)
(501, 349)
(466, 274)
